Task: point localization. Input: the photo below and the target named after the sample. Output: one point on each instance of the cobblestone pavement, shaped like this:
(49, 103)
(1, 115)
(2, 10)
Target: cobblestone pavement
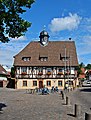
(81, 97)
(19, 105)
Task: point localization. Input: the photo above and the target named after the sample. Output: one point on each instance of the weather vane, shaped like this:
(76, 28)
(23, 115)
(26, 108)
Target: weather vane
(44, 28)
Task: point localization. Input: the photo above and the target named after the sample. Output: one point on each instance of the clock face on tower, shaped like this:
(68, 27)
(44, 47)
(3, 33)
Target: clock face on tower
(44, 40)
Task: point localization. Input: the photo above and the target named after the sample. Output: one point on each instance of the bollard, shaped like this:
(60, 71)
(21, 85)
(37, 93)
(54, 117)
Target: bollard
(87, 116)
(26, 90)
(67, 101)
(77, 110)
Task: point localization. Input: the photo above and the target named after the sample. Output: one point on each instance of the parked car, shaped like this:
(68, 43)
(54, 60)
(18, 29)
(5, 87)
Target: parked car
(86, 83)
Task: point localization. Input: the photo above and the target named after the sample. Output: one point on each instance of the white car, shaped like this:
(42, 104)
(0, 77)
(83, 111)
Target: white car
(87, 83)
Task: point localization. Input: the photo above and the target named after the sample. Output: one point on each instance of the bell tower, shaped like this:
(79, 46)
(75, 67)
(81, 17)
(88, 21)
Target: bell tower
(44, 38)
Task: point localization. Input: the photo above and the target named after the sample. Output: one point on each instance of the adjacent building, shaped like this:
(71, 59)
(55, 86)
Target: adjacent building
(3, 77)
(46, 63)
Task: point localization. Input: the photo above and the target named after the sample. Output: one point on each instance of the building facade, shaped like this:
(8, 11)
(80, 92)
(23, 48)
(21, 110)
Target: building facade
(46, 63)
(3, 77)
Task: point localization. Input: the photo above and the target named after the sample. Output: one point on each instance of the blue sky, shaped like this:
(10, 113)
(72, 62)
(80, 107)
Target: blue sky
(63, 19)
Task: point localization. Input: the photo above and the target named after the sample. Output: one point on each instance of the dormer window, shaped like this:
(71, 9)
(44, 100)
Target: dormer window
(64, 58)
(43, 58)
(26, 58)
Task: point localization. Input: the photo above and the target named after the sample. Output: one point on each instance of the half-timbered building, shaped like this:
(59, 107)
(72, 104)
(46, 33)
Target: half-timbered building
(46, 63)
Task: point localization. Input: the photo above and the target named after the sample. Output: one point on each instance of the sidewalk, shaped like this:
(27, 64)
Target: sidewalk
(82, 99)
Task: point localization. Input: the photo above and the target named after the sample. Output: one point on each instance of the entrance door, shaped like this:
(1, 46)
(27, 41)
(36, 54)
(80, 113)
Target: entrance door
(40, 84)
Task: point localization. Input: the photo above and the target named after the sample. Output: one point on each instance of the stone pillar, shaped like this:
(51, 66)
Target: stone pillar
(87, 116)
(67, 101)
(77, 110)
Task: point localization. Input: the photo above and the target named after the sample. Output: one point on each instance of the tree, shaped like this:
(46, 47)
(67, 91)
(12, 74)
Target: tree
(12, 72)
(79, 71)
(11, 24)
(88, 67)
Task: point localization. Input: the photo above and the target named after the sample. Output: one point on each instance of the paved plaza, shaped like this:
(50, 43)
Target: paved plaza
(19, 105)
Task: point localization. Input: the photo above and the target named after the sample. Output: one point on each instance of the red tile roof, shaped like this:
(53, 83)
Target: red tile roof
(2, 70)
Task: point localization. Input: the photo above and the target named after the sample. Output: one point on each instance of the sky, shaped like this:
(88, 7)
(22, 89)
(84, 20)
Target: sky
(63, 19)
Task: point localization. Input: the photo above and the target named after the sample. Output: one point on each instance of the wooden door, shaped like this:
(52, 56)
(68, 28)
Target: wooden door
(40, 84)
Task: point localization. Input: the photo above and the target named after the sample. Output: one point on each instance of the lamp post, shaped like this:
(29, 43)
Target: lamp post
(64, 66)
(68, 69)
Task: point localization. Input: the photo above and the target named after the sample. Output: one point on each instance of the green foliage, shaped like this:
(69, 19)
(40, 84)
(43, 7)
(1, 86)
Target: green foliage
(11, 24)
(79, 71)
(2, 75)
(81, 65)
(88, 67)
(12, 72)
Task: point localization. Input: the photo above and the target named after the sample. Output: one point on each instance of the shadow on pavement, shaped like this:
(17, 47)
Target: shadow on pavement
(71, 115)
(1, 106)
(86, 90)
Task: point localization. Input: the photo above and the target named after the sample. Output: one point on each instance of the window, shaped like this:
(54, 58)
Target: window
(26, 58)
(18, 68)
(48, 83)
(40, 70)
(43, 58)
(72, 68)
(24, 69)
(49, 69)
(34, 83)
(24, 83)
(30, 68)
(65, 58)
(59, 83)
(60, 70)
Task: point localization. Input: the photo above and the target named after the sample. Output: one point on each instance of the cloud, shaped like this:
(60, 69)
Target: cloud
(10, 49)
(6, 57)
(19, 39)
(70, 22)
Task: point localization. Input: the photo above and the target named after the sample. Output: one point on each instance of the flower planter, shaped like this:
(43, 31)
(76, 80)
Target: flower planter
(24, 73)
(48, 73)
(60, 73)
(40, 73)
